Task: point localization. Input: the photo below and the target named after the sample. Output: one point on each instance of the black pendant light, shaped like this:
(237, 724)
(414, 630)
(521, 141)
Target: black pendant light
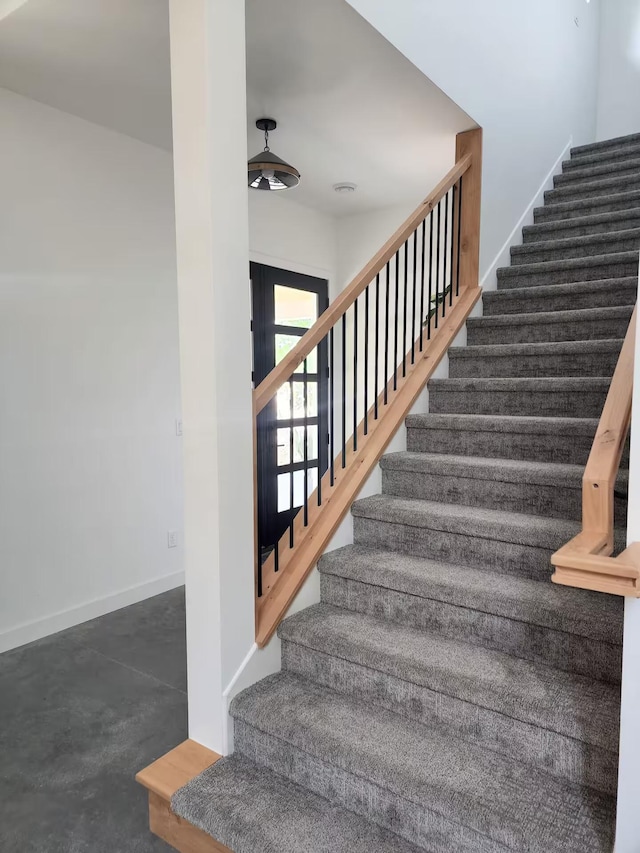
(268, 172)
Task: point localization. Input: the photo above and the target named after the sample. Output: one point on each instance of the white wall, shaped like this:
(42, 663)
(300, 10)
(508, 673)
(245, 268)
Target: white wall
(628, 820)
(90, 465)
(285, 234)
(619, 83)
(525, 72)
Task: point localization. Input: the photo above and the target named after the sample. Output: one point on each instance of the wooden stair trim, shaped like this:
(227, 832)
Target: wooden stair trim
(280, 589)
(586, 561)
(162, 779)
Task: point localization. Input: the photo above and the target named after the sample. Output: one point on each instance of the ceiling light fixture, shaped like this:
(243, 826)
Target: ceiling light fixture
(268, 172)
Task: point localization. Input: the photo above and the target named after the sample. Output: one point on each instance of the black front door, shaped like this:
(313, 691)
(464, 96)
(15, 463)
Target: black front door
(293, 428)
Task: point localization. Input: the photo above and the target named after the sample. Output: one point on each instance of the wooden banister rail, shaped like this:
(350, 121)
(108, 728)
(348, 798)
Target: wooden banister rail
(381, 340)
(585, 561)
(270, 385)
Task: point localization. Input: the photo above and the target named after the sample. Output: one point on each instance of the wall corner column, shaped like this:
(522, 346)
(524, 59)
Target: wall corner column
(208, 79)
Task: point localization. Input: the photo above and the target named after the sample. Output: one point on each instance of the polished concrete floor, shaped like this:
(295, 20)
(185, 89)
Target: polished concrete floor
(80, 713)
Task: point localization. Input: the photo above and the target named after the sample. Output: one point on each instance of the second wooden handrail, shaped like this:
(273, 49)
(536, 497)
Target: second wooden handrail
(585, 560)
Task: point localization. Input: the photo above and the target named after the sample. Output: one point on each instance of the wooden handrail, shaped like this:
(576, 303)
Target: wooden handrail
(280, 575)
(585, 560)
(310, 340)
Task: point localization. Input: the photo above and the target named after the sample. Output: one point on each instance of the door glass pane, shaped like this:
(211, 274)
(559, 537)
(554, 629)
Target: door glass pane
(285, 343)
(312, 399)
(298, 443)
(283, 402)
(298, 485)
(284, 446)
(284, 492)
(295, 307)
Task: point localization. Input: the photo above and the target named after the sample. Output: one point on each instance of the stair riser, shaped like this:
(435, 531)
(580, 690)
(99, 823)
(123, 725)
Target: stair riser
(523, 366)
(495, 304)
(594, 189)
(511, 277)
(554, 213)
(549, 501)
(428, 829)
(481, 333)
(565, 231)
(458, 548)
(531, 255)
(556, 754)
(559, 649)
(597, 172)
(573, 450)
(569, 404)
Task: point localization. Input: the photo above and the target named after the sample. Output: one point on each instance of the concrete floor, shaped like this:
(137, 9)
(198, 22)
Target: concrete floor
(80, 713)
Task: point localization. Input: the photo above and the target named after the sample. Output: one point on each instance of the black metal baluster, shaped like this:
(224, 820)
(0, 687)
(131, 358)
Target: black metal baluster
(413, 309)
(331, 411)
(355, 375)
(366, 359)
(453, 234)
(377, 346)
(291, 462)
(459, 234)
(395, 336)
(437, 311)
(404, 308)
(386, 338)
(424, 236)
(444, 254)
(430, 273)
(344, 390)
(305, 456)
(276, 558)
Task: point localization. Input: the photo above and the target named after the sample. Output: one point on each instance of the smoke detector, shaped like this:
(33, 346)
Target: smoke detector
(345, 188)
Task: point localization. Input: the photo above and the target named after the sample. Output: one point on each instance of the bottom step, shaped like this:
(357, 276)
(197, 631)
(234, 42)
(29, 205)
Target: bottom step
(250, 809)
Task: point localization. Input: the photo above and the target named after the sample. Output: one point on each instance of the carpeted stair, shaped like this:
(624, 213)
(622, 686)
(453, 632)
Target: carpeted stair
(445, 696)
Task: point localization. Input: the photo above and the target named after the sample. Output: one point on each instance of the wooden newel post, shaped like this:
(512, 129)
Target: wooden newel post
(470, 142)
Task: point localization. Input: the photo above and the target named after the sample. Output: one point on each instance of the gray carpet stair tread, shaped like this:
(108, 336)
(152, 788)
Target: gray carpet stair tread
(587, 242)
(627, 140)
(551, 348)
(486, 468)
(250, 809)
(504, 424)
(620, 201)
(591, 158)
(498, 525)
(581, 315)
(512, 803)
(613, 259)
(586, 171)
(598, 186)
(545, 230)
(549, 290)
(529, 384)
(570, 705)
(587, 614)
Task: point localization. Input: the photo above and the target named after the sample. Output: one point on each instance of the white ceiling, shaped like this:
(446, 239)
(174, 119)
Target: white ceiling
(349, 106)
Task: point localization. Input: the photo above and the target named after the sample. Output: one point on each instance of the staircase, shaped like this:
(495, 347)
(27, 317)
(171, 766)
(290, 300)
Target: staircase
(444, 695)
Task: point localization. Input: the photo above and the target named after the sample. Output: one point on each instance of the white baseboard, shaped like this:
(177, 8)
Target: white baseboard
(39, 628)
(503, 258)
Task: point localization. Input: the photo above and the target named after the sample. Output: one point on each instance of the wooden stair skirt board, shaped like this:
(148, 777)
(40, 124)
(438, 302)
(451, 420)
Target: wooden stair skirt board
(585, 561)
(162, 779)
